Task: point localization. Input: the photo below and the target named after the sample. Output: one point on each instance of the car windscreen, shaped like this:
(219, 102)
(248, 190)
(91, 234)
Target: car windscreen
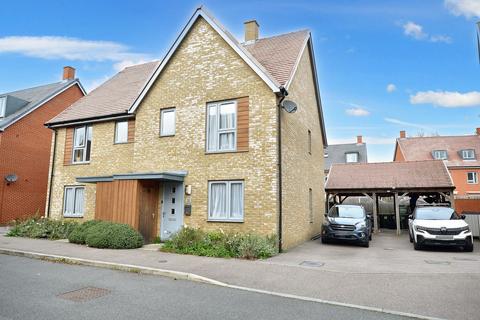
(435, 214)
(347, 212)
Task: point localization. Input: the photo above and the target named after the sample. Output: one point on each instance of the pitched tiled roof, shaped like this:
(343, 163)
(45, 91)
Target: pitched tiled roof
(113, 97)
(26, 100)
(336, 153)
(279, 54)
(389, 175)
(420, 148)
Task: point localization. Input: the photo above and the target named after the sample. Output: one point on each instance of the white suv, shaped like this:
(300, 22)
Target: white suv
(439, 226)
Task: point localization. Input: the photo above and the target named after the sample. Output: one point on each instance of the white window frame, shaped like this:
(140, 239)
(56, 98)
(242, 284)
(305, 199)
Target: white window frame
(218, 131)
(466, 152)
(83, 147)
(444, 152)
(73, 214)
(3, 106)
(349, 153)
(117, 141)
(228, 184)
(162, 112)
(475, 178)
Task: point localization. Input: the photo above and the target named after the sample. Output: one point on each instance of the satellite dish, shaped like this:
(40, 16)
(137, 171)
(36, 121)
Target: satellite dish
(11, 178)
(289, 106)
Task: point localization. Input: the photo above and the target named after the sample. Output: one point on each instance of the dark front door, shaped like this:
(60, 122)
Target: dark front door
(148, 206)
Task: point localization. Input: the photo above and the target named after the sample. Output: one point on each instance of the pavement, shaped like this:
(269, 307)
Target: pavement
(57, 291)
(388, 275)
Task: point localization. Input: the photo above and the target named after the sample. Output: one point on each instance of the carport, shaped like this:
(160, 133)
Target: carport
(396, 179)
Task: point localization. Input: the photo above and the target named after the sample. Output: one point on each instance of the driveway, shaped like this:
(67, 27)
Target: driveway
(388, 253)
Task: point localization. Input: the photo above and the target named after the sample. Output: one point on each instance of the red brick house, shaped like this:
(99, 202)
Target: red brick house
(461, 155)
(25, 143)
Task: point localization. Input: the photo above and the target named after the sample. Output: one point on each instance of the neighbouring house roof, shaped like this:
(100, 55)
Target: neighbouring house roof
(114, 97)
(335, 153)
(273, 59)
(421, 148)
(22, 102)
(431, 174)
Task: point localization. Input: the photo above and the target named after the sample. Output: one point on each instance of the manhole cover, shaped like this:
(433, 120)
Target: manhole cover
(315, 264)
(437, 262)
(84, 294)
(464, 259)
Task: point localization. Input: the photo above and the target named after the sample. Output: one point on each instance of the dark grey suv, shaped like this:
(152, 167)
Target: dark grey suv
(347, 222)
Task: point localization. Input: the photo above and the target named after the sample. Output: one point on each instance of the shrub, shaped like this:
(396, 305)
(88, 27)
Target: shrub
(113, 236)
(42, 228)
(219, 244)
(79, 233)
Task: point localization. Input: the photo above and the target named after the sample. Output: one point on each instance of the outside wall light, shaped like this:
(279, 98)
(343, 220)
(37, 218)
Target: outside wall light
(10, 178)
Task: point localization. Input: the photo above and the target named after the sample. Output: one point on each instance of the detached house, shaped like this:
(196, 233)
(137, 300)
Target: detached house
(461, 155)
(200, 139)
(345, 153)
(25, 144)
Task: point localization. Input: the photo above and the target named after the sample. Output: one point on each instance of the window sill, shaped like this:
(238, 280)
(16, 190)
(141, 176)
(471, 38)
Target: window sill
(225, 221)
(225, 151)
(166, 135)
(79, 163)
(72, 216)
(126, 142)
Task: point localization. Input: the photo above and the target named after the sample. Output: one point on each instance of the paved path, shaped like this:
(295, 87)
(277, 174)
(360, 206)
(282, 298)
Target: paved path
(31, 289)
(441, 292)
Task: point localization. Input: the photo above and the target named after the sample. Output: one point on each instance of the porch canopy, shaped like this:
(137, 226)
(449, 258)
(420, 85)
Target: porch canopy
(160, 176)
(395, 179)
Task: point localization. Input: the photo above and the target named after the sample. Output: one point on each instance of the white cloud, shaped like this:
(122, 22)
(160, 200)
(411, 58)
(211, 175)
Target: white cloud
(119, 66)
(447, 99)
(415, 31)
(427, 127)
(357, 112)
(55, 47)
(391, 87)
(467, 8)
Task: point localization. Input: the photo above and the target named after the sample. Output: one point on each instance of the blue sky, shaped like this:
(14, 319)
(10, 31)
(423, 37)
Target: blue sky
(383, 66)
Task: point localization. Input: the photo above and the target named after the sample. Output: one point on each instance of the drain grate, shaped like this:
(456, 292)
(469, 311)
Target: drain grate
(437, 262)
(84, 294)
(315, 264)
(388, 249)
(162, 261)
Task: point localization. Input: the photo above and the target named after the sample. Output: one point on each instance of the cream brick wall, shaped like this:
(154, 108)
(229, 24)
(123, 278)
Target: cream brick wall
(205, 69)
(106, 158)
(301, 170)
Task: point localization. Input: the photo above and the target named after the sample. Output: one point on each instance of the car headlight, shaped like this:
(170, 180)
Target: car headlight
(466, 228)
(420, 228)
(360, 225)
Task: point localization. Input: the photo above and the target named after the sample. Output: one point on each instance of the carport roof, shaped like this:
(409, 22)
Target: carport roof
(390, 176)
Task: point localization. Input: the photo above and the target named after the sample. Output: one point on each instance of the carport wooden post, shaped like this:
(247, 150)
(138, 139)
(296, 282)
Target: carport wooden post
(397, 213)
(375, 215)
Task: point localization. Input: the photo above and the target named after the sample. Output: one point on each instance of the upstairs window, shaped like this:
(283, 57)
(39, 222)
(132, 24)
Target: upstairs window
(468, 154)
(121, 132)
(3, 106)
(351, 157)
(472, 178)
(167, 122)
(222, 126)
(440, 154)
(82, 144)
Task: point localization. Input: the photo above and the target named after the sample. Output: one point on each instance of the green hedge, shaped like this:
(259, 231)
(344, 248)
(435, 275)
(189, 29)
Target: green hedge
(219, 244)
(79, 233)
(112, 236)
(42, 228)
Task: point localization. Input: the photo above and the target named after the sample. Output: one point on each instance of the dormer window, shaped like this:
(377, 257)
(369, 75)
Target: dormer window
(3, 106)
(440, 154)
(351, 157)
(468, 154)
